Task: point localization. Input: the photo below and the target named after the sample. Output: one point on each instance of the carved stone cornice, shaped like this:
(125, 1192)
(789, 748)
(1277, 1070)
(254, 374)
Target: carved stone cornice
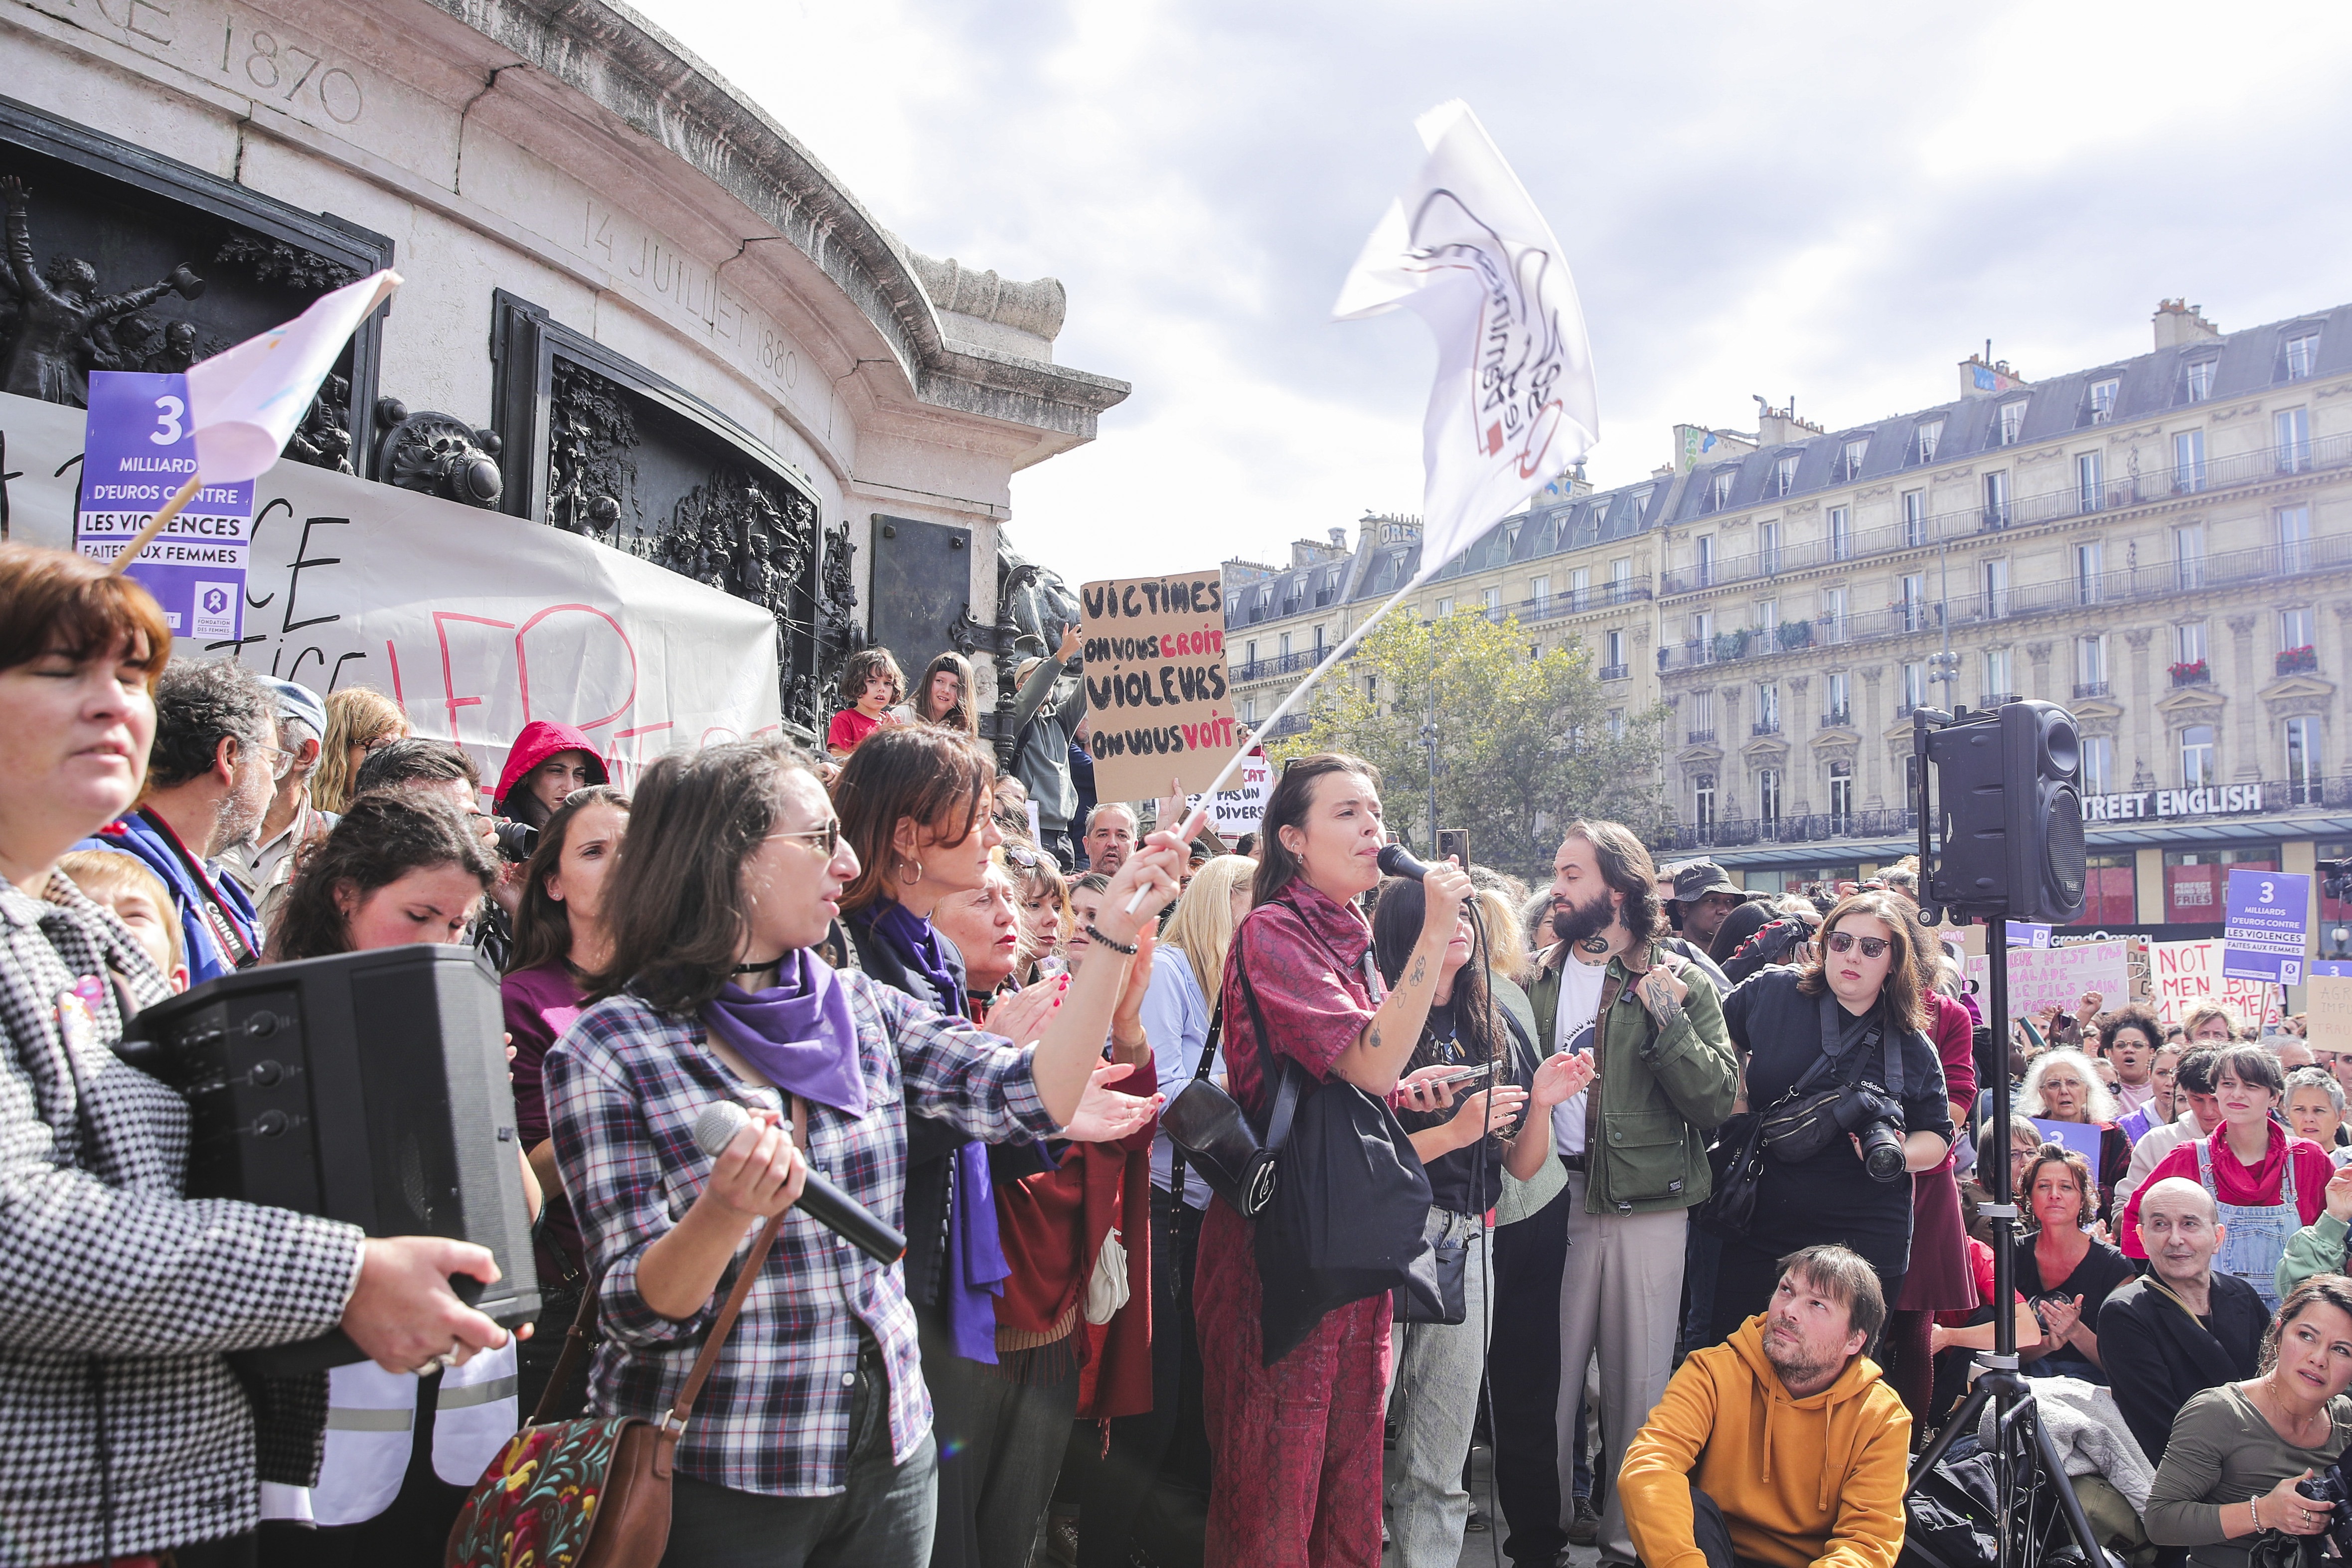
(2297, 696)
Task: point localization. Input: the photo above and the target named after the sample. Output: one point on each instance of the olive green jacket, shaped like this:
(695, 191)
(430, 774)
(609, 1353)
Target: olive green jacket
(1658, 1092)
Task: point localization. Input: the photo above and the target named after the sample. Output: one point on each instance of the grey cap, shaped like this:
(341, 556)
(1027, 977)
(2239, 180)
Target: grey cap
(1697, 880)
(296, 701)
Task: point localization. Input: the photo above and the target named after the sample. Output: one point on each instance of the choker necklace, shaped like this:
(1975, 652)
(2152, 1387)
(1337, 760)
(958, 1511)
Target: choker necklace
(755, 968)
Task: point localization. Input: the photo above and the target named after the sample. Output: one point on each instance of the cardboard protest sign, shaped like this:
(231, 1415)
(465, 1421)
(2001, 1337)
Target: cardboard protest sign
(2328, 1010)
(2186, 972)
(1239, 810)
(1156, 693)
(477, 623)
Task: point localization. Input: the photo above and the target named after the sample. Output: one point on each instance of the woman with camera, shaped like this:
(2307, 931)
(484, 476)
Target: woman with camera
(2233, 1469)
(401, 1450)
(915, 806)
(123, 1296)
(560, 940)
(1466, 1136)
(810, 1443)
(1852, 1093)
(1297, 1443)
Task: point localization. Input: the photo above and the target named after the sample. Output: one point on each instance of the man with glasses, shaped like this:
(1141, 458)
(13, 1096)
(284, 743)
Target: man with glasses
(214, 768)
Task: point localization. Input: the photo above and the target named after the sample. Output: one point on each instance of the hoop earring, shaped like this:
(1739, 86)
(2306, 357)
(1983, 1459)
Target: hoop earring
(917, 877)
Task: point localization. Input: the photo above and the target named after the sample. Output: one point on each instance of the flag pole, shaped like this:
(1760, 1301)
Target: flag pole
(163, 514)
(1199, 813)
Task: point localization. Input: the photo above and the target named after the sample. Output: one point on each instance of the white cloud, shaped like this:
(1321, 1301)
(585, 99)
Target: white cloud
(1834, 200)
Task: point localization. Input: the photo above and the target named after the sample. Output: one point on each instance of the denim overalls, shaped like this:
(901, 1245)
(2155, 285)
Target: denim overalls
(2257, 1232)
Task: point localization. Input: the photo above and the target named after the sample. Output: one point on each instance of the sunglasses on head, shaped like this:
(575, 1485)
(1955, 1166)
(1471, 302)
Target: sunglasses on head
(1843, 942)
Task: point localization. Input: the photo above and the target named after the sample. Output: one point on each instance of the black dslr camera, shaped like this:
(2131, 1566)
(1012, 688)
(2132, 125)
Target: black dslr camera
(1877, 1120)
(2327, 1486)
(516, 840)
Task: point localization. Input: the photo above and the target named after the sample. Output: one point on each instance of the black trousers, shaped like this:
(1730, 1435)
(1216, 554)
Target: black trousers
(1712, 1536)
(1111, 1487)
(1525, 1388)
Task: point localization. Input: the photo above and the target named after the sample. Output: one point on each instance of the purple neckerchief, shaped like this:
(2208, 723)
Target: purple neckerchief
(976, 1270)
(918, 946)
(798, 1033)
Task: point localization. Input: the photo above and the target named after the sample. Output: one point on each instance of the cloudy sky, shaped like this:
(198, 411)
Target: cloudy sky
(1833, 202)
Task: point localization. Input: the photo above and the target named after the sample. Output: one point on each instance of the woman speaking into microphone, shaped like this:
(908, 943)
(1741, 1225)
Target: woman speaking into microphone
(810, 1443)
(1297, 1444)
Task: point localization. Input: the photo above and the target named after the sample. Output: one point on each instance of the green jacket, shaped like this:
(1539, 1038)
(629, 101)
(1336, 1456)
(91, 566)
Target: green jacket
(1657, 1095)
(2316, 1248)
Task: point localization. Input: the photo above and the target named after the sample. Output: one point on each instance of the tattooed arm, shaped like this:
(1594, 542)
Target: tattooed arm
(1374, 1061)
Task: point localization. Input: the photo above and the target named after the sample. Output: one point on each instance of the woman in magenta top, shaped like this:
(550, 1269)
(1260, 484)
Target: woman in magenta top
(2267, 1183)
(560, 936)
(1295, 1446)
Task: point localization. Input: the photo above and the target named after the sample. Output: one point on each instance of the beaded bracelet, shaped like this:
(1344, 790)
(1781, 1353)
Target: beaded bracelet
(1096, 935)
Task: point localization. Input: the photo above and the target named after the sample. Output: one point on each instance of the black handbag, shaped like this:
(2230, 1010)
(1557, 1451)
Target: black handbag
(1351, 1201)
(1736, 1159)
(1800, 1125)
(1211, 1134)
(1436, 1287)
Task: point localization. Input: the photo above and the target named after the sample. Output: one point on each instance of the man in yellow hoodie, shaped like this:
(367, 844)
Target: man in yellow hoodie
(1781, 1448)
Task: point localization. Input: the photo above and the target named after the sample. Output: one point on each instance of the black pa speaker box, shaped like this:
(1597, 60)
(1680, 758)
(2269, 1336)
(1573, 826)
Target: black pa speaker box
(366, 1087)
(2009, 797)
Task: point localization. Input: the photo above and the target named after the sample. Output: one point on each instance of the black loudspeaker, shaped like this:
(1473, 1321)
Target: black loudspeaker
(2009, 793)
(367, 1087)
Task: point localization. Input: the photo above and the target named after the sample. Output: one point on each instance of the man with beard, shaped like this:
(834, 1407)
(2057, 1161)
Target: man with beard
(210, 777)
(1648, 1008)
(1782, 1446)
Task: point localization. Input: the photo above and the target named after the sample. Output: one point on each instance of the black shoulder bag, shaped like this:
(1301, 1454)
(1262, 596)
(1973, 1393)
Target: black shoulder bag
(1208, 1129)
(1351, 1203)
(1736, 1158)
(1799, 1125)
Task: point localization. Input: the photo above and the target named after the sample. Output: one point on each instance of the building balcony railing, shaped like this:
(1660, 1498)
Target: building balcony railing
(1615, 672)
(1838, 718)
(1290, 724)
(1701, 738)
(2123, 585)
(1993, 700)
(2084, 688)
(2192, 672)
(1281, 664)
(2297, 660)
(2075, 500)
(1579, 601)
(1811, 828)
(1765, 727)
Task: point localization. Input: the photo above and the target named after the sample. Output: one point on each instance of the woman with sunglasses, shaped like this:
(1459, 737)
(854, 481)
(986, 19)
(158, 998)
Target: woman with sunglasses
(915, 809)
(812, 1441)
(1857, 1002)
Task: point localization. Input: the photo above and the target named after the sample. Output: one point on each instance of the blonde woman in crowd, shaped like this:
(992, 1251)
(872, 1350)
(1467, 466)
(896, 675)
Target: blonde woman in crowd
(359, 720)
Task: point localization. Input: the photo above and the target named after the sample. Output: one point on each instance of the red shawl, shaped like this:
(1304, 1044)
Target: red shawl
(1053, 1225)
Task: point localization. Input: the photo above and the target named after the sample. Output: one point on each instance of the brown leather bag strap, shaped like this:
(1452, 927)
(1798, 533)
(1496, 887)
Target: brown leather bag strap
(577, 1341)
(721, 1325)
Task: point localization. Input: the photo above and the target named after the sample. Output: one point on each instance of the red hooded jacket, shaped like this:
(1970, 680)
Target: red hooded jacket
(540, 740)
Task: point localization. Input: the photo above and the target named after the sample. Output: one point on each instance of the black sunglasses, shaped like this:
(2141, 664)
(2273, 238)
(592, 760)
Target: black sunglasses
(1842, 941)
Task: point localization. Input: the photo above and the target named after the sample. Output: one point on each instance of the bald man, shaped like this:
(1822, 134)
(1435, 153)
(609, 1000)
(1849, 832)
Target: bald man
(2182, 1328)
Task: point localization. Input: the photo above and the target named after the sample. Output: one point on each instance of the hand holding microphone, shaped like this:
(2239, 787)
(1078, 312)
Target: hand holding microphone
(755, 1185)
(1444, 887)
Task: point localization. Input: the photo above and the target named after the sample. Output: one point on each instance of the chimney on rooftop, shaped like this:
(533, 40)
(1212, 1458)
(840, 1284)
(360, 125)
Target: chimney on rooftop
(1980, 375)
(1339, 540)
(1780, 427)
(2177, 323)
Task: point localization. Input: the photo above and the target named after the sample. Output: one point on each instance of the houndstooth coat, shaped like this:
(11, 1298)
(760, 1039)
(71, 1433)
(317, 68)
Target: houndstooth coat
(123, 1429)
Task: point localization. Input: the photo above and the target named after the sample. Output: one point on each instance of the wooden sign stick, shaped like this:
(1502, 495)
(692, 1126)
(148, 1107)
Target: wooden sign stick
(155, 525)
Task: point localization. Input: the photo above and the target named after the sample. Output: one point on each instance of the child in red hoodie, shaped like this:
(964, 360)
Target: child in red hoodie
(870, 683)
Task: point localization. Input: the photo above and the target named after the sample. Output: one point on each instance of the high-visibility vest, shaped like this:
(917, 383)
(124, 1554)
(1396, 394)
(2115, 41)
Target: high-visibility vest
(372, 1423)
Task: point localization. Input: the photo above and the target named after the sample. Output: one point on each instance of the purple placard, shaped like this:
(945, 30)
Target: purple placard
(2083, 1136)
(2267, 929)
(139, 445)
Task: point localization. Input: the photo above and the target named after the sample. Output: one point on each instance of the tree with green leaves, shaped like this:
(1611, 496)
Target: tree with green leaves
(1523, 745)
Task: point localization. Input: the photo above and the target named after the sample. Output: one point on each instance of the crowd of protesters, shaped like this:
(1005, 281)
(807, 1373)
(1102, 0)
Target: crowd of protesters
(965, 992)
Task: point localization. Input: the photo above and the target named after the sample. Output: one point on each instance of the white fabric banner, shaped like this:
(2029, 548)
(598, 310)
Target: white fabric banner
(479, 621)
(1514, 404)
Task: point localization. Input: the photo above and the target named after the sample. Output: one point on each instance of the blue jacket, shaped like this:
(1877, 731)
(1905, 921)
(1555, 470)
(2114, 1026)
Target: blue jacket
(145, 839)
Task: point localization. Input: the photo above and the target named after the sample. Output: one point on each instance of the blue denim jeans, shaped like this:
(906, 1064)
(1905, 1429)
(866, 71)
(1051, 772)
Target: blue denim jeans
(882, 1519)
(1434, 1403)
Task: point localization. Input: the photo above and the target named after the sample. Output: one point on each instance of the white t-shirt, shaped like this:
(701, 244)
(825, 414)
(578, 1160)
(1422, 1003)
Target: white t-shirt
(1579, 1004)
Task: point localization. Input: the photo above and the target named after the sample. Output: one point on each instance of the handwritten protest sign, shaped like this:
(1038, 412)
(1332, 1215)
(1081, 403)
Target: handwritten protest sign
(2327, 1003)
(1239, 810)
(2186, 972)
(476, 621)
(2042, 977)
(1156, 686)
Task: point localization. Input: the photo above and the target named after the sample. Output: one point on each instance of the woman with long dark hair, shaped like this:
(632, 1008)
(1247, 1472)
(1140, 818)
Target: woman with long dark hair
(944, 697)
(560, 939)
(1465, 1141)
(1297, 1443)
(990, 1284)
(734, 871)
(2064, 1272)
(401, 1450)
(1856, 1010)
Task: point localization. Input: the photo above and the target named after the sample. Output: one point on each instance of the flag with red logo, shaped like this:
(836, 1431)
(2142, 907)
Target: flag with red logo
(1514, 404)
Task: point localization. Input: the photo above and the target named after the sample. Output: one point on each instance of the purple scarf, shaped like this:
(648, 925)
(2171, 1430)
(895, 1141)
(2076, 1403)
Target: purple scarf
(975, 1269)
(798, 1033)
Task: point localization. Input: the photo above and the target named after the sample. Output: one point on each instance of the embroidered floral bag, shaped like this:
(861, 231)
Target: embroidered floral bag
(595, 1492)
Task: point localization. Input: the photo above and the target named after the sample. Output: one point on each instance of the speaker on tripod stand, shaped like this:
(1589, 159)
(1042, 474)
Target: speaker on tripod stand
(2003, 792)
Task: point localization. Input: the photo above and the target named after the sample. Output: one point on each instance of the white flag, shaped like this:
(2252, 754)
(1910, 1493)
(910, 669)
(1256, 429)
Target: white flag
(1514, 403)
(245, 401)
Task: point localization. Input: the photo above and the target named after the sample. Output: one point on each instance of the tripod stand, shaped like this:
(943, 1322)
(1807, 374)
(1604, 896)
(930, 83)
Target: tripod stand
(2026, 1462)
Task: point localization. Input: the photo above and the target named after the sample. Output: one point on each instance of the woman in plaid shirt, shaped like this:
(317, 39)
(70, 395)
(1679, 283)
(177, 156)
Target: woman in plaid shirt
(810, 1443)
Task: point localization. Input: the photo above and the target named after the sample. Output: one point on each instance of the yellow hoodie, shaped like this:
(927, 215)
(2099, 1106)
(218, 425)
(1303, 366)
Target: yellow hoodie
(1799, 1481)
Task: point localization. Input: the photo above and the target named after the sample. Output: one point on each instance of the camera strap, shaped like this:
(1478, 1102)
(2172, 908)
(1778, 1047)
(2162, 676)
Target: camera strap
(1890, 1057)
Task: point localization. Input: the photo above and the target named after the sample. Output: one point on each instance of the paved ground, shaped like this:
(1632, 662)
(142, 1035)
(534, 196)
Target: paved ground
(1483, 1548)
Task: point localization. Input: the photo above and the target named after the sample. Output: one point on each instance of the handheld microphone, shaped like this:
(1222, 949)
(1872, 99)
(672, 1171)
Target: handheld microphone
(1396, 861)
(820, 1199)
